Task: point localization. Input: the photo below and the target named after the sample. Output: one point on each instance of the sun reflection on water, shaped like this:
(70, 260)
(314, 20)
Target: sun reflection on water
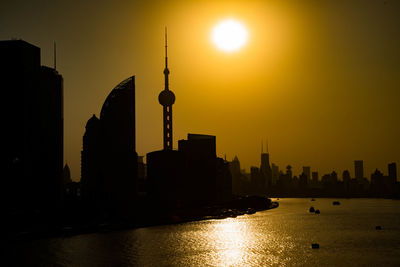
(229, 238)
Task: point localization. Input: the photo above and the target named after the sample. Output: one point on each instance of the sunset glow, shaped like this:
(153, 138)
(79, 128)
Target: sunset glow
(229, 35)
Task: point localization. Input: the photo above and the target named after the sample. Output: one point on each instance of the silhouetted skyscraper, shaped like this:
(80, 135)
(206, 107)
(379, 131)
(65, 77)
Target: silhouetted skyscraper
(234, 167)
(392, 171)
(314, 177)
(307, 173)
(275, 173)
(289, 172)
(167, 99)
(265, 168)
(359, 170)
(33, 127)
(109, 158)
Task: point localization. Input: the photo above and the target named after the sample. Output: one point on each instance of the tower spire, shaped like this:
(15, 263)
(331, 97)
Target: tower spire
(166, 70)
(55, 56)
(167, 99)
(166, 48)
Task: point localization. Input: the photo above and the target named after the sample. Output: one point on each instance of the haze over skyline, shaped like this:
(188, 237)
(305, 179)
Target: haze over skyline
(320, 81)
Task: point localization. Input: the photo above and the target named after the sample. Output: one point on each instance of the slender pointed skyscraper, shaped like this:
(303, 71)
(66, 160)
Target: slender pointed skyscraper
(167, 99)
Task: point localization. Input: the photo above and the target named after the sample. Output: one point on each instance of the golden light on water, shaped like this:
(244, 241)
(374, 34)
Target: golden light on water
(229, 35)
(231, 245)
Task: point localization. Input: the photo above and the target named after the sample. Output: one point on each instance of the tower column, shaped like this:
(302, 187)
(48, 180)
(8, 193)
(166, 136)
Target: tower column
(167, 99)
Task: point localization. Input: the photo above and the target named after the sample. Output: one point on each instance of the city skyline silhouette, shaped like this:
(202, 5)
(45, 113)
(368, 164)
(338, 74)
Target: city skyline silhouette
(127, 145)
(320, 85)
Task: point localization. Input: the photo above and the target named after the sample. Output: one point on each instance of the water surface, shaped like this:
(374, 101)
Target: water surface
(278, 237)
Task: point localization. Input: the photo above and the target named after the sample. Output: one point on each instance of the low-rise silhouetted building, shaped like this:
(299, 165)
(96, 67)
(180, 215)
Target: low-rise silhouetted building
(191, 176)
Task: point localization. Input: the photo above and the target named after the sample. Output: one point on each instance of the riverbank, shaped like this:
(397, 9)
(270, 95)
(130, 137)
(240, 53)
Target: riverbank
(144, 218)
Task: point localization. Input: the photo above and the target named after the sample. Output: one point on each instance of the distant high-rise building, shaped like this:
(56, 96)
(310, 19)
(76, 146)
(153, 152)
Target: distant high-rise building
(257, 181)
(307, 173)
(334, 177)
(32, 127)
(359, 170)
(314, 177)
(392, 171)
(346, 176)
(378, 184)
(234, 167)
(275, 173)
(289, 172)
(265, 169)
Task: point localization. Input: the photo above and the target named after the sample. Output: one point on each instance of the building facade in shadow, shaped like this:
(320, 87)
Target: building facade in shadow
(109, 158)
(33, 128)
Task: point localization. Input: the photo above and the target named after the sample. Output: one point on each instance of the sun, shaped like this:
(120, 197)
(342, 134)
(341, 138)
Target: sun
(229, 35)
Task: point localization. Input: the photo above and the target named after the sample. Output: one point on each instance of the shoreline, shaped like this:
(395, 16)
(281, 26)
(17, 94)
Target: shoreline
(237, 207)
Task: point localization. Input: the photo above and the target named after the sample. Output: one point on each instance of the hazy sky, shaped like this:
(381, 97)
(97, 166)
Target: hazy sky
(319, 79)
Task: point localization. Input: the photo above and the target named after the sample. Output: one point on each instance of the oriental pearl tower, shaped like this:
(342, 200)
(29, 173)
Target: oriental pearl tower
(167, 99)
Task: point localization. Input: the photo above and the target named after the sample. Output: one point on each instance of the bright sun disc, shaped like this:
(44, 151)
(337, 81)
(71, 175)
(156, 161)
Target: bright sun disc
(229, 35)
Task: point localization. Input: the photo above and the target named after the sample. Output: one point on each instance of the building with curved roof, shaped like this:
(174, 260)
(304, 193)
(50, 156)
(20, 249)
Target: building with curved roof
(109, 158)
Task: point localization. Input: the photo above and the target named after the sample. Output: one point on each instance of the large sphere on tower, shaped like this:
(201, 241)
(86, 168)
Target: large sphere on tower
(166, 98)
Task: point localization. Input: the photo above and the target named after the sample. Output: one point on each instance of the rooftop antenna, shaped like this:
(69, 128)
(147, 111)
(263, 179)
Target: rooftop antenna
(166, 70)
(166, 46)
(55, 56)
(262, 146)
(267, 145)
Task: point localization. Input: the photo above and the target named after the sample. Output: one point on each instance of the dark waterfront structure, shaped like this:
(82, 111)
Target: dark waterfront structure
(109, 158)
(33, 128)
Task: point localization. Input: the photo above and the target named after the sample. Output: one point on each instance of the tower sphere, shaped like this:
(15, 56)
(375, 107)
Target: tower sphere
(166, 98)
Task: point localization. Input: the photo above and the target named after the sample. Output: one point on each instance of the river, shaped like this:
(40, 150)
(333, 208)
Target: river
(279, 237)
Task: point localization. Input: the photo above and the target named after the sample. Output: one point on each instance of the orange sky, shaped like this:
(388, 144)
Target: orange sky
(319, 79)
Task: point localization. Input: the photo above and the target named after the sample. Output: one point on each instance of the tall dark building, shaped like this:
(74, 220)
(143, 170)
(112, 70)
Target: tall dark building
(167, 99)
(234, 167)
(109, 158)
(265, 169)
(314, 177)
(359, 170)
(307, 173)
(392, 171)
(33, 127)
